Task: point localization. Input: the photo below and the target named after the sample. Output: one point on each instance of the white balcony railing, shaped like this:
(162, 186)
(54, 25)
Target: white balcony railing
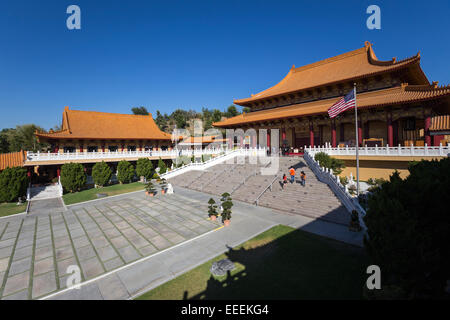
(400, 151)
(68, 156)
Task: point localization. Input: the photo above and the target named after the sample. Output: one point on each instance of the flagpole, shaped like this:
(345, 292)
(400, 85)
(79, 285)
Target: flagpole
(357, 141)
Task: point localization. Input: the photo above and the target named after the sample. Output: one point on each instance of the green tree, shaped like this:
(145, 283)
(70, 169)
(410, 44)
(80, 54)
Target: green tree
(408, 230)
(13, 184)
(161, 121)
(232, 111)
(226, 206)
(140, 111)
(101, 173)
(180, 117)
(329, 162)
(246, 109)
(24, 138)
(125, 172)
(73, 177)
(162, 166)
(216, 115)
(144, 168)
(4, 144)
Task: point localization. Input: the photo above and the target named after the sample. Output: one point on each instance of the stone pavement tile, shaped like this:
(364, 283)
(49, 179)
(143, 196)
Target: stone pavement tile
(112, 288)
(120, 242)
(6, 252)
(138, 241)
(7, 243)
(25, 242)
(42, 253)
(148, 232)
(129, 254)
(4, 264)
(16, 283)
(60, 233)
(2, 274)
(94, 233)
(21, 295)
(160, 242)
(63, 281)
(99, 242)
(105, 225)
(9, 235)
(113, 264)
(43, 242)
(64, 253)
(112, 233)
(78, 232)
(106, 253)
(145, 251)
(20, 266)
(81, 242)
(23, 253)
(43, 233)
(64, 264)
(122, 225)
(62, 242)
(43, 284)
(176, 238)
(92, 268)
(85, 253)
(44, 266)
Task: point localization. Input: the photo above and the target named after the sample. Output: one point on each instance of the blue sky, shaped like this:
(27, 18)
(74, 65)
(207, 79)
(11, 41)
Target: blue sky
(190, 54)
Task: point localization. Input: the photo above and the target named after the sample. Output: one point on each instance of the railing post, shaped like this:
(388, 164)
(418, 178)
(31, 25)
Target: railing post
(399, 149)
(426, 149)
(376, 149)
(440, 149)
(412, 149)
(387, 148)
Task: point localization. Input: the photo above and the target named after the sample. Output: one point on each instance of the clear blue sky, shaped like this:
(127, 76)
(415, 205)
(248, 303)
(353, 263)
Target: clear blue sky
(190, 54)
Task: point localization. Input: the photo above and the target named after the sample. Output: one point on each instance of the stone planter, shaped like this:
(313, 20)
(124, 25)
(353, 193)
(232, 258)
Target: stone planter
(213, 218)
(226, 223)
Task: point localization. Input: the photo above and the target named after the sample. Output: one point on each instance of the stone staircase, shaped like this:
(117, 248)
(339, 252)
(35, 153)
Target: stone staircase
(315, 200)
(45, 192)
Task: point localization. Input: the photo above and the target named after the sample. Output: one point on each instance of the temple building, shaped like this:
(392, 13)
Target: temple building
(396, 104)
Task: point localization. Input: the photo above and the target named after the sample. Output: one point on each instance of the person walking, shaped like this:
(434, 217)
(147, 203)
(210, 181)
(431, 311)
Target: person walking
(303, 178)
(292, 173)
(284, 182)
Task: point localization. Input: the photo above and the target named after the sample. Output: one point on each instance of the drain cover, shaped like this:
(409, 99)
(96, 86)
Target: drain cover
(220, 268)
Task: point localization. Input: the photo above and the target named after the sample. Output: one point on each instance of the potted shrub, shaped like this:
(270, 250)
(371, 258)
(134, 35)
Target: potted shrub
(354, 222)
(226, 208)
(163, 185)
(150, 189)
(212, 209)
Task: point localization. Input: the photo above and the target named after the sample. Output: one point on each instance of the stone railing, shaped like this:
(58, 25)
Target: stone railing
(326, 176)
(48, 156)
(399, 151)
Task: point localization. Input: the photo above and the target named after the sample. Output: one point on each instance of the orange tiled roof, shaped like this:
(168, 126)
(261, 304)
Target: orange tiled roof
(350, 65)
(440, 123)
(101, 125)
(397, 95)
(14, 159)
(202, 139)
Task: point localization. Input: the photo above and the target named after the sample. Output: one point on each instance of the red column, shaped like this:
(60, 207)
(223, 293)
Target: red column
(360, 139)
(268, 138)
(283, 134)
(390, 130)
(58, 172)
(311, 134)
(333, 133)
(427, 130)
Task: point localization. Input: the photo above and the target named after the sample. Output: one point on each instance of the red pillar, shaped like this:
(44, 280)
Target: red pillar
(58, 172)
(311, 134)
(390, 130)
(283, 134)
(333, 133)
(268, 138)
(427, 130)
(360, 139)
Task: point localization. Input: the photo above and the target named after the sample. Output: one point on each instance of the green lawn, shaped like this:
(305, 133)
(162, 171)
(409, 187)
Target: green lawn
(281, 263)
(91, 194)
(7, 209)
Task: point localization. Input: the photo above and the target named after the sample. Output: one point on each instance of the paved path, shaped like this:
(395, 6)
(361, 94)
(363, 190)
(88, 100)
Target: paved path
(98, 236)
(149, 272)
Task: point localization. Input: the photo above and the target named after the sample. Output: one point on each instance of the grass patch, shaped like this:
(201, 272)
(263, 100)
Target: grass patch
(7, 209)
(91, 194)
(281, 263)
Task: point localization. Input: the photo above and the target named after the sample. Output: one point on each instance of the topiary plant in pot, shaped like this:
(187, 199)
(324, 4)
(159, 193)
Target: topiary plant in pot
(150, 189)
(163, 185)
(212, 209)
(226, 208)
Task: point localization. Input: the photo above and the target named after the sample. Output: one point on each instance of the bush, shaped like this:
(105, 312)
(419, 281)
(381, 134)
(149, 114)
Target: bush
(162, 166)
(226, 206)
(144, 168)
(101, 173)
(212, 208)
(73, 177)
(125, 171)
(329, 162)
(149, 187)
(156, 176)
(408, 230)
(343, 180)
(13, 184)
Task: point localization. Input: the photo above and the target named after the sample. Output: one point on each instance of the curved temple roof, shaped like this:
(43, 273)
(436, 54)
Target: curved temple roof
(396, 95)
(14, 159)
(355, 64)
(109, 126)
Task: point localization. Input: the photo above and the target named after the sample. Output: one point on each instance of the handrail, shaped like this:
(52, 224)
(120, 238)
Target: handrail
(265, 189)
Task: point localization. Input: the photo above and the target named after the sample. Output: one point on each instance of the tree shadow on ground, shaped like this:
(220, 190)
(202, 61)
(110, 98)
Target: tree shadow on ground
(297, 265)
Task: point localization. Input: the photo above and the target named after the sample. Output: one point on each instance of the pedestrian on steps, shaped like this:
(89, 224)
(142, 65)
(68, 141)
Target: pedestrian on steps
(303, 178)
(292, 173)
(284, 182)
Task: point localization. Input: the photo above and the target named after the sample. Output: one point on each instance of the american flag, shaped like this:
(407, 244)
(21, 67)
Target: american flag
(347, 102)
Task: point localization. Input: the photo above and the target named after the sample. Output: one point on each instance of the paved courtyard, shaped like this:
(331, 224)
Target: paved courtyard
(99, 236)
